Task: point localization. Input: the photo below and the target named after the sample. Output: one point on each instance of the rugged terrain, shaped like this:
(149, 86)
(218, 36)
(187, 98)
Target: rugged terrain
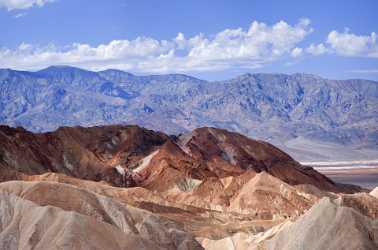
(127, 187)
(309, 117)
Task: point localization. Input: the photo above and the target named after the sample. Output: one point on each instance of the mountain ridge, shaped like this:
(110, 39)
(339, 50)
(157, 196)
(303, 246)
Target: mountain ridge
(114, 70)
(292, 111)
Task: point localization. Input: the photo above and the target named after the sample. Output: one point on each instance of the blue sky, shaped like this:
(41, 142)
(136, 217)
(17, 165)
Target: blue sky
(209, 39)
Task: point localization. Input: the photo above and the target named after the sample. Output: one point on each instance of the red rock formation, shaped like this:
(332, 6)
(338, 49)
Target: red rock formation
(86, 153)
(130, 156)
(228, 148)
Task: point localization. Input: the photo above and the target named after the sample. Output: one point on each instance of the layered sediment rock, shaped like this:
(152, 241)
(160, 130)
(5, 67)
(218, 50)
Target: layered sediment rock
(132, 188)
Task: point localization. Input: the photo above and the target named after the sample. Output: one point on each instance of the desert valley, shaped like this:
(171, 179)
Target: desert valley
(185, 125)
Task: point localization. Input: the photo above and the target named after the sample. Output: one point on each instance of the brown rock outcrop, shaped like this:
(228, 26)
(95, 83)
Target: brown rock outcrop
(112, 153)
(86, 153)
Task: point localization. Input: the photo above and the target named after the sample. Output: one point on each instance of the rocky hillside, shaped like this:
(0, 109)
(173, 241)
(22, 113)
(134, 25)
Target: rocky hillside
(133, 156)
(127, 187)
(310, 117)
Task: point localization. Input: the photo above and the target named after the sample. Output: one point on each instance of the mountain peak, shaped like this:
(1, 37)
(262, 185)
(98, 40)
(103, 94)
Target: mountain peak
(67, 72)
(59, 67)
(63, 69)
(115, 71)
(306, 76)
(264, 75)
(174, 77)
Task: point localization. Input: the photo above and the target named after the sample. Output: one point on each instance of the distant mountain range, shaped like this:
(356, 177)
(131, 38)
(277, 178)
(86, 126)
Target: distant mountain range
(310, 117)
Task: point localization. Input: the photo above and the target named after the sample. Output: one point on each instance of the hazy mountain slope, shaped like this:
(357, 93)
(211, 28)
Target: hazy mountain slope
(308, 116)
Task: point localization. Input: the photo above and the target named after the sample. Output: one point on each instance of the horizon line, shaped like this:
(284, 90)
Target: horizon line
(186, 74)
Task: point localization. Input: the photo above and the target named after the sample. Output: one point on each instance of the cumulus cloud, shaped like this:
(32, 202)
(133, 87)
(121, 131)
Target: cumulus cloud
(22, 4)
(347, 44)
(316, 50)
(296, 52)
(243, 48)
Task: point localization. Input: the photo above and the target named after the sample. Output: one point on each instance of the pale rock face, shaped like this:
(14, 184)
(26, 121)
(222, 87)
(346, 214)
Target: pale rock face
(78, 219)
(120, 170)
(25, 225)
(374, 192)
(144, 162)
(328, 226)
(67, 163)
(242, 240)
(188, 184)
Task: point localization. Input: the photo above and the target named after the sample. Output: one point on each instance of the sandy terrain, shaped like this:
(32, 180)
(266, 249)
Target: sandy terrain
(362, 173)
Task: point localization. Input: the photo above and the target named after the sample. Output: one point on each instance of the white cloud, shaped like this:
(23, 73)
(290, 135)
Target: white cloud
(251, 48)
(348, 44)
(316, 50)
(19, 15)
(22, 4)
(296, 52)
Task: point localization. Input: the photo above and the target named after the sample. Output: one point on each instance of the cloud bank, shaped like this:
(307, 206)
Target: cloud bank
(22, 4)
(258, 45)
(250, 48)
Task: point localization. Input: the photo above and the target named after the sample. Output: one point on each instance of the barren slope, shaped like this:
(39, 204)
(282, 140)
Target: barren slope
(328, 226)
